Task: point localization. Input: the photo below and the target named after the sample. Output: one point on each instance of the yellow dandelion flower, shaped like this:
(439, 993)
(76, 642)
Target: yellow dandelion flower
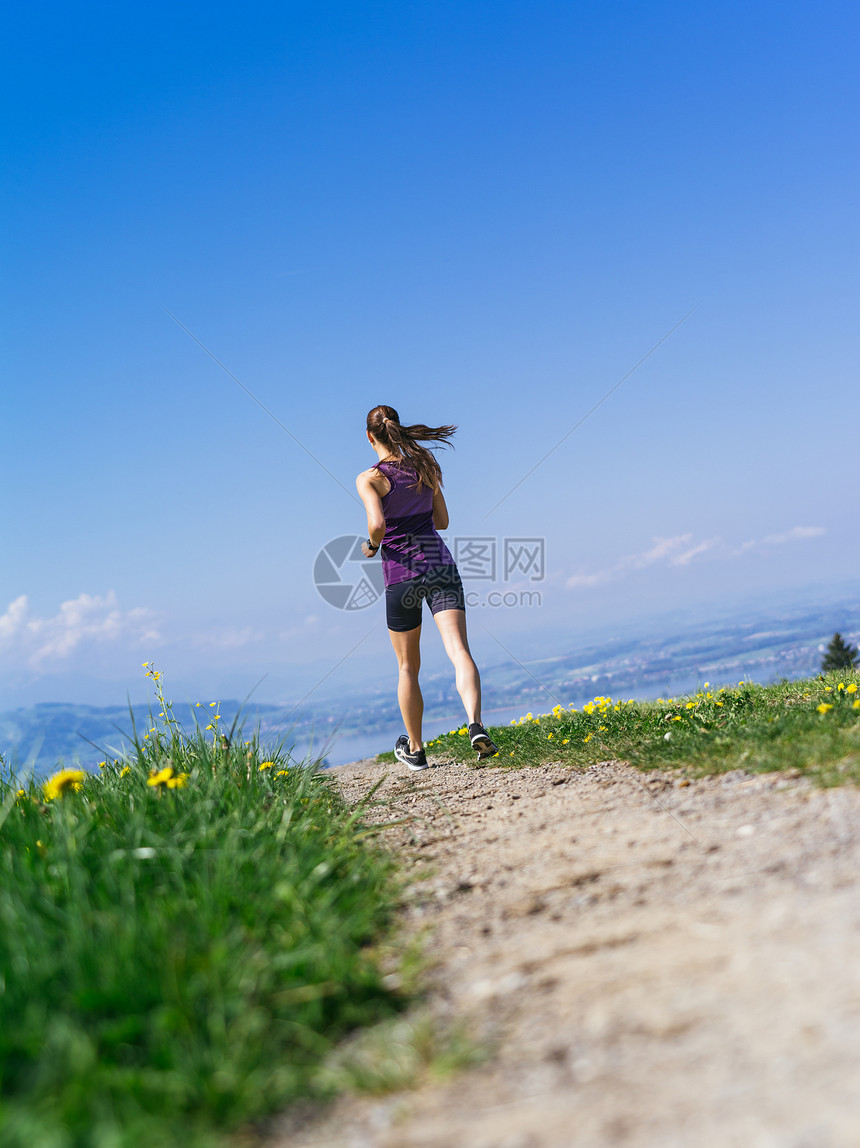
(549, 737)
(281, 772)
(67, 780)
(676, 718)
(690, 705)
(828, 689)
(102, 764)
(212, 705)
(160, 776)
(852, 689)
(462, 732)
(210, 727)
(601, 729)
(718, 703)
(21, 793)
(855, 705)
(707, 684)
(217, 717)
(125, 769)
(824, 707)
(144, 664)
(177, 782)
(587, 737)
(264, 765)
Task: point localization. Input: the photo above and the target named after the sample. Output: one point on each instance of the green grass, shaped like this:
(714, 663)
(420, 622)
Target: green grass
(176, 961)
(757, 728)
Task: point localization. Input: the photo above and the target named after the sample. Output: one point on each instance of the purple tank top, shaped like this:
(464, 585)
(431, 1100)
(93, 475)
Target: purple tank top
(412, 545)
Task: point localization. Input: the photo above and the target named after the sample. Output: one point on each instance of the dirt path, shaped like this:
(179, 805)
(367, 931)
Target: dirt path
(654, 963)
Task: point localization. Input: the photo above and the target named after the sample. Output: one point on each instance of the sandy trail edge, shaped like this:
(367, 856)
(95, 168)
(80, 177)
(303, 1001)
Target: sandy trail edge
(655, 963)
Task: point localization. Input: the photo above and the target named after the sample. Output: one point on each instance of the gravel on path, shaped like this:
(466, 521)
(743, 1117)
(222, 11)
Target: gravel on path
(653, 960)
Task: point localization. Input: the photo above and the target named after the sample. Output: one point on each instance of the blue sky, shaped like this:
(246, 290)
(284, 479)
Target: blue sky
(482, 213)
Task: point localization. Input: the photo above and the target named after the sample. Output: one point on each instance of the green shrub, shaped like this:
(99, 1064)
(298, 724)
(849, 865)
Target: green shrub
(839, 655)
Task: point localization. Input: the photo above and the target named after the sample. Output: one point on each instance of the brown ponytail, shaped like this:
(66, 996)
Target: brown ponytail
(384, 424)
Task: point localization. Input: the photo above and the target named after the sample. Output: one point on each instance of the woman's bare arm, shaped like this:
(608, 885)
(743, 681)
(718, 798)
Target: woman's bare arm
(440, 510)
(367, 485)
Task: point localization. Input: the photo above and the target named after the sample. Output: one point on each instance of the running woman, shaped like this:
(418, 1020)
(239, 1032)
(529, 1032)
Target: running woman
(402, 494)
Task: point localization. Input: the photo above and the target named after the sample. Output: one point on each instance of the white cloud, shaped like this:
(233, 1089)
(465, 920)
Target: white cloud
(796, 534)
(13, 620)
(85, 621)
(687, 556)
(576, 580)
(681, 550)
(663, 549)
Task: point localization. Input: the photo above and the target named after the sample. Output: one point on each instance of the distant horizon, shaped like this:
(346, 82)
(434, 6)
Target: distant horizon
(546, 641)
(359, 716)
(82, 690)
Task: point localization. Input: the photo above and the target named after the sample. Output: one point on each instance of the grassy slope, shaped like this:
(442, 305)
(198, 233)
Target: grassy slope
(179, 955)
(751, 727)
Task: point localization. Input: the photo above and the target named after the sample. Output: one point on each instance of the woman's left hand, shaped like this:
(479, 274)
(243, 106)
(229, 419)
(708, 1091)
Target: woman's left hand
(367, 552)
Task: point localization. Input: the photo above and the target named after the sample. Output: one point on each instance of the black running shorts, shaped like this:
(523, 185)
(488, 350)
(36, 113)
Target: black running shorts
(441, 587)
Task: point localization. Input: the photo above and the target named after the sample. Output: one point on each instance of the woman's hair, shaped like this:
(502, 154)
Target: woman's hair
(384, 424)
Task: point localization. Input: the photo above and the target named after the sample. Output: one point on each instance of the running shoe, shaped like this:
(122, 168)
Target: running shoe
(403, 753)
(481, 741)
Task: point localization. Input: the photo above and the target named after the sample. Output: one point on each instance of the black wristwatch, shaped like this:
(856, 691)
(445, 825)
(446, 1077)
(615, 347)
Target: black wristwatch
(371, 545)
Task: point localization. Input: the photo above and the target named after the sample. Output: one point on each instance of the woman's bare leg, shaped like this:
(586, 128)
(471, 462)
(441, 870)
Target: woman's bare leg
(408, 653)
(452, 627)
